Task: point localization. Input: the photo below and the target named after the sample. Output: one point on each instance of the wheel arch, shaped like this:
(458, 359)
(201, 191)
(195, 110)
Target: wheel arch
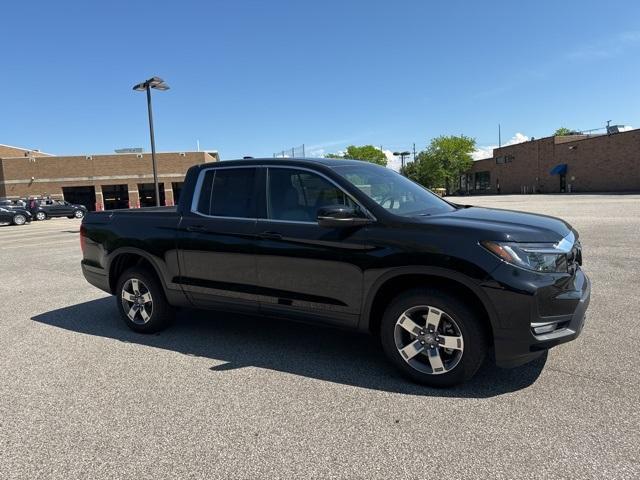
(122, 259)
(393, 283)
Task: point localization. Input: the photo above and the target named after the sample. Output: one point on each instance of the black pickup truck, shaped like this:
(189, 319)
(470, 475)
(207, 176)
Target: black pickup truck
(351, 244)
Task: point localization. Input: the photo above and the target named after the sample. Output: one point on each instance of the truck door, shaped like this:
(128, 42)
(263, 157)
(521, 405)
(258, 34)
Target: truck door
(216, 240)
(303, 268)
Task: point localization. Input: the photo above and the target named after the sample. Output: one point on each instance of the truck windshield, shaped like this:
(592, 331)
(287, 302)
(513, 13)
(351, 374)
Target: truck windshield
(392, 191)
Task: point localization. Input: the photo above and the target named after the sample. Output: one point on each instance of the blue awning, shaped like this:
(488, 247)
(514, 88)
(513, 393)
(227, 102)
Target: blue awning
(560, 169)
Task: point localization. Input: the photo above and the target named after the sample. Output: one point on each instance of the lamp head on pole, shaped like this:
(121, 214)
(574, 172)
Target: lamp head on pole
(154, 82)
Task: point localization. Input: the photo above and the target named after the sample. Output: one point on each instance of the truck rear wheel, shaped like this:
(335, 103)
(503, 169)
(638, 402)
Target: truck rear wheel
(433, 337)
(141, 301)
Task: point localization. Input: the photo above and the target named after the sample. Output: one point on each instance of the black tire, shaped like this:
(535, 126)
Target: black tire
(160, 314)
(457, 316)
(19, 219)
(79, 214)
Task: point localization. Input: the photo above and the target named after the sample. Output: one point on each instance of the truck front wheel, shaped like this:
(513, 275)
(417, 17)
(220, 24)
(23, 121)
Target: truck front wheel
(433, 337)
(141, 301)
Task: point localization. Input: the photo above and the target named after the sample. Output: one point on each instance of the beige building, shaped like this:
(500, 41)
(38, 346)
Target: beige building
(121, 180)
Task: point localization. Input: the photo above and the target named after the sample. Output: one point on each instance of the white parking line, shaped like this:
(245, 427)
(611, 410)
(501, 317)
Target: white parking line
(35, 235)
(34, 229)
(26, 245)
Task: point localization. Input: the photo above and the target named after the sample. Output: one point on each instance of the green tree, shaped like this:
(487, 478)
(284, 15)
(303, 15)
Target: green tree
(425, 170)
(368, 153)
(443, 162)
(562, 131)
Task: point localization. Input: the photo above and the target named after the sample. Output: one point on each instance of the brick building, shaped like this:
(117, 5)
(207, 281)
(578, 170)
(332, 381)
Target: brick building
(573, 163)
(96, 181)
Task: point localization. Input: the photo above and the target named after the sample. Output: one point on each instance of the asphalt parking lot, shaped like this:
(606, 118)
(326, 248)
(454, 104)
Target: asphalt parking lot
(223, 396)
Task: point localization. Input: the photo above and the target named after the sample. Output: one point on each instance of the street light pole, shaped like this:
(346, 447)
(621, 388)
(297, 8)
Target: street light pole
(153, 147)
(158, 84)
(402, 156)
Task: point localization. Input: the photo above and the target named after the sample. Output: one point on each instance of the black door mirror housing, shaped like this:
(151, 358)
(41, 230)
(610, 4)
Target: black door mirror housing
(335, 216)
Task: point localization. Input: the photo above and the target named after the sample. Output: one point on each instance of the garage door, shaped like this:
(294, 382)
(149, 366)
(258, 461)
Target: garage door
(81, 195)
(115, 196)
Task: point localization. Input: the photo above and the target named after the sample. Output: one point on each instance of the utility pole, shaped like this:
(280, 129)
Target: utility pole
(414, 151)
(499, 137)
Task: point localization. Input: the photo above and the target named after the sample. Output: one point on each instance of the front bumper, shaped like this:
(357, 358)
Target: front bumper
(536, 312)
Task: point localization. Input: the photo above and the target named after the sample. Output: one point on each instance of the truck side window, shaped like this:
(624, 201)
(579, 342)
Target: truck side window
(228, 192)
(204, 199)
(233, 193)
(296, 195)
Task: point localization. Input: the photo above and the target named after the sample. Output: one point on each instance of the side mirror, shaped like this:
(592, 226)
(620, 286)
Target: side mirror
(336, 216)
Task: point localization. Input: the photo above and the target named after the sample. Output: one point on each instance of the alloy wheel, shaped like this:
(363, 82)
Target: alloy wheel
(137, 301)
(19, 219)
(41, 215)
(429, 340)
(79, 214)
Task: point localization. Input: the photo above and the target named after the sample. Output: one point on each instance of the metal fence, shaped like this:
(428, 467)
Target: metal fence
(292, 152)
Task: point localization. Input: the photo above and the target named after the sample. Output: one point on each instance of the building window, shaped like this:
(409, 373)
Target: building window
(504, 159)
(482, 181)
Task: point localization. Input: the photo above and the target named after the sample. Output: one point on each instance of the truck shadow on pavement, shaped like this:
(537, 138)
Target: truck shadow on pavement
(312, 351)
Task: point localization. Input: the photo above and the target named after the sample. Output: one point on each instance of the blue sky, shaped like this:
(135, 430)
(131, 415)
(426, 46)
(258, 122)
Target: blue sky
(255, 77)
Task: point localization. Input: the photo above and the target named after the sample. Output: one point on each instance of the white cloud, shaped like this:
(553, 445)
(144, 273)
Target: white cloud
(317, 153)
(393, 162)
(483, 152)
(486, 151)
(606, 48)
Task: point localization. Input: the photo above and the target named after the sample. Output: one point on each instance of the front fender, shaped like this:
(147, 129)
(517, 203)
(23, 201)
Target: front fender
(376, 283)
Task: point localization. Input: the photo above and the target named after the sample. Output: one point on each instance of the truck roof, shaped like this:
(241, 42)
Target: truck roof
(327, 162)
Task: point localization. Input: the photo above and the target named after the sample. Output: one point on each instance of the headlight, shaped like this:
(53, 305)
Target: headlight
(539, 257)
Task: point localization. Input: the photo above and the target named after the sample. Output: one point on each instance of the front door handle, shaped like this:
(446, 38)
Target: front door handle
(196, 228)
(270, 235)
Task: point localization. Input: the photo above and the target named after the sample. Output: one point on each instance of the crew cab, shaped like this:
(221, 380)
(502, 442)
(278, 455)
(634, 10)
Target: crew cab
(350, 244)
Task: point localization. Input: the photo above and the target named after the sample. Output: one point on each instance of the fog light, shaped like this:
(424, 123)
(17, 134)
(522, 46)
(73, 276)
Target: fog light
(550, 327)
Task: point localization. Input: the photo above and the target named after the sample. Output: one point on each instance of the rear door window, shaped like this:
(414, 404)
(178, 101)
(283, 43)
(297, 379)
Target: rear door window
(228, 192)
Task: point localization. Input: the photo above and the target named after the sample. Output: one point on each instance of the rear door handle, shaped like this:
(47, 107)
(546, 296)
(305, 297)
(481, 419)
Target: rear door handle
(270, 235)
(196, 228)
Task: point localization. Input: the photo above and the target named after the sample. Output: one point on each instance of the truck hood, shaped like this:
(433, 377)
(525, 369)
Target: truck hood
(503, 225)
